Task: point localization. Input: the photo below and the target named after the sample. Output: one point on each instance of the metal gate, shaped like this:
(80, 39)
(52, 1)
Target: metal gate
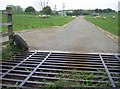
(38, 69)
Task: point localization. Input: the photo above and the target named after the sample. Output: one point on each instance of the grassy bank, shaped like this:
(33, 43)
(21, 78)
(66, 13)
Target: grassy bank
(109, 24)
(31, 21)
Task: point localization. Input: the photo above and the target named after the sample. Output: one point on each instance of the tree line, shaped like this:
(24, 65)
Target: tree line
(30, 9)
(47, 10)
(88, 12)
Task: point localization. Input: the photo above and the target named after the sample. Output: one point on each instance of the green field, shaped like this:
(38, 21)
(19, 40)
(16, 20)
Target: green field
(30, 21)
(109, 24)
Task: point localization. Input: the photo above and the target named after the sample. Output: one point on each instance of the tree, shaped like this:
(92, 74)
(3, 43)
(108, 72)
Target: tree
(97, 10)
(30, 9)
(100, 11)
(108, 10)
(47, 10)
(77, 12)
(17, 9)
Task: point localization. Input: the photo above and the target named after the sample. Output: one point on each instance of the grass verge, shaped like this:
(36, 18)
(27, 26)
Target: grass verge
(32, 21)
(109, 24)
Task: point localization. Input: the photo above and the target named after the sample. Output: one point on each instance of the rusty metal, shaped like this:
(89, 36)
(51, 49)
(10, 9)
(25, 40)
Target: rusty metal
(36, 69)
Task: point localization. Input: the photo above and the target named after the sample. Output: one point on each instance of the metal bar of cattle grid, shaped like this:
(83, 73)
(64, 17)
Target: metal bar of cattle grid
(18, 64)
(117, 57)
(26, 79)
(43, 68)
(110, 77)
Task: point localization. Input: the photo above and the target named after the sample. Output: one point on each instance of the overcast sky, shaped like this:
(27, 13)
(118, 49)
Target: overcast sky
(69, 4)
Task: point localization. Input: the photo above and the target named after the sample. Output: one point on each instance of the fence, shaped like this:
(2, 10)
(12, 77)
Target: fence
(9, 25)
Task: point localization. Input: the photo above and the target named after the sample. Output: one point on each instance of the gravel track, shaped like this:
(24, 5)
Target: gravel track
(78, 36)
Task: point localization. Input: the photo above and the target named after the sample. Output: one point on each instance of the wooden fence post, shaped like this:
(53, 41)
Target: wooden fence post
(9, 20)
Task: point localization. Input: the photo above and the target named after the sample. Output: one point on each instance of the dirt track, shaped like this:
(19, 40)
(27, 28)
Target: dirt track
(78, 36)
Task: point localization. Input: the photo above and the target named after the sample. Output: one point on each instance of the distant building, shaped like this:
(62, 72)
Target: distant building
(70, 11)
(96, 14)
(62, 13)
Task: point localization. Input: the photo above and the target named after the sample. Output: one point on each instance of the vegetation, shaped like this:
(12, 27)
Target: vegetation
(9, 51)
(16, 9)
(77, 12)
(32, 21)
(109, 24)
(79, 75)
(108, 10)
(30, 9)
(47, 10)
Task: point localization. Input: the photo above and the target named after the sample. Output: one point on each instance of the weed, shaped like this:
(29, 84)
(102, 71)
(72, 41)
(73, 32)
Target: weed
(77, 76)
(26, 69)
(16, 84)
(9, 51)
(58, 84)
